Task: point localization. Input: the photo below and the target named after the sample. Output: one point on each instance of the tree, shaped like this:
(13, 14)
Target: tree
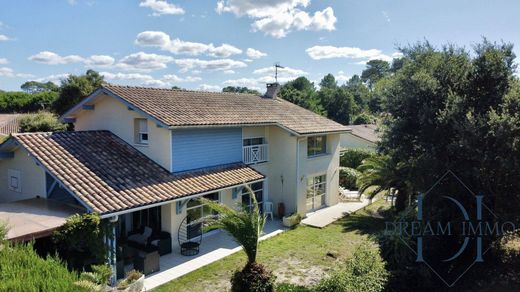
(245, 225)
(328, 81)
(41, 122)
(75, 88)
(238, 89)
(382, 174)
(338, 103)
(35, 86)
(302, 92)
(359, 90)
(376, 69)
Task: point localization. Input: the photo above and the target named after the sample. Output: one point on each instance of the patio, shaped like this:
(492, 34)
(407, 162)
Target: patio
(214, 247)
(326, 216)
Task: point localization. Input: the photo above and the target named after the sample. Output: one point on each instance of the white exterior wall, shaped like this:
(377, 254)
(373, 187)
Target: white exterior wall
(32, 178)
(354, 142)
(112, 115)
(312, 166)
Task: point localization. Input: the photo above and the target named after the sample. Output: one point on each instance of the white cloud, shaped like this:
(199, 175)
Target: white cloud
(4, 38)
(161, 7)
(144, 62)
(51, 58)
(3, 61)
(214, 65)
(208, 87)
(248, 60)
(229, 72)
(386, 16)
(247, 82)
(125, 76)
(175, 78)
(279, 17)
(329, 52)
(281, 71)
(255, 54)
(55, 78)
(342, 77)
(176, 46)
(8, 72)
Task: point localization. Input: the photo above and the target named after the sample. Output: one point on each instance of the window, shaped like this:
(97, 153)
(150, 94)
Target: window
(14, 180)
(254, 141)
(316, 190)
(258, 190)
(148, 217)
(198, 212)
(316, 145)
(141, 131)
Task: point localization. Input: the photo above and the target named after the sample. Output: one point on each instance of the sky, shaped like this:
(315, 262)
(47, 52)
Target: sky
(210, 44)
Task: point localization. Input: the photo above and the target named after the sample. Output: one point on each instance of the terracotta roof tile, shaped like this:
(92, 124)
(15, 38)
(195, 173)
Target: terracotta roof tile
(198, 108)
(109, 175)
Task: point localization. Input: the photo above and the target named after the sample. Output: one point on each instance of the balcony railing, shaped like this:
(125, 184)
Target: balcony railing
(255, 154)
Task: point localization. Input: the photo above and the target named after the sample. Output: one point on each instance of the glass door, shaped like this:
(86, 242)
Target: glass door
(316, 191)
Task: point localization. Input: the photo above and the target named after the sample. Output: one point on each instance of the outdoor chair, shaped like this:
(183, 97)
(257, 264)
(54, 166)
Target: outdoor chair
(347, 195)
(163, 242)
(190, 236)
(141, 238)
(147, 261)
(268, 209)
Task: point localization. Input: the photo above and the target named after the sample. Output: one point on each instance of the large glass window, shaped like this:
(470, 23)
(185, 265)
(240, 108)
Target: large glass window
(258, 190)
(198, 213)
(316, 190)
(148, 217)
(316, 145)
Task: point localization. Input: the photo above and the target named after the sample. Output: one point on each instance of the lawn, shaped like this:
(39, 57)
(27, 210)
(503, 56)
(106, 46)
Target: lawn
(300, 256)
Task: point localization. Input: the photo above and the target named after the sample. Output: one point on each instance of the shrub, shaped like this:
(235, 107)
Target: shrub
(25, 102)
(363, 118)
(97, 280)
(21, 269)
(348, 177)
(353, 157)
(254, 277)
(80, 241)
(41, 122)
(287, 287)
(364, 271)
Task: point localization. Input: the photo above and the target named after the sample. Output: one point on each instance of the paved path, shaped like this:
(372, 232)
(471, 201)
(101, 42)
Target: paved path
(213, 248)
(325, 216)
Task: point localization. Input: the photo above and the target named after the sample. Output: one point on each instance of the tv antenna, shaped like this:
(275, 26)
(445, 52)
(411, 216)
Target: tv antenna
(276, 66)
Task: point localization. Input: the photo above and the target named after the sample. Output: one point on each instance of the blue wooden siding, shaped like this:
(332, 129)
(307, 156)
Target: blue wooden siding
(200, 148)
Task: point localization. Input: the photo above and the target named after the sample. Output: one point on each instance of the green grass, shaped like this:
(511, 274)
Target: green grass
(300, 256)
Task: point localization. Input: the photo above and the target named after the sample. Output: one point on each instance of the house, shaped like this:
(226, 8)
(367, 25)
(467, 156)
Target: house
(363, 136)
(141, 156)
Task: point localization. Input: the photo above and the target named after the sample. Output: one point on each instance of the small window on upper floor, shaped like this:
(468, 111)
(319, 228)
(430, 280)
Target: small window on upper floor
(254, 141)
(316, 145)
(141, 131)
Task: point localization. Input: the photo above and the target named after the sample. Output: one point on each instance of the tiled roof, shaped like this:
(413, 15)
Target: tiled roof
(197, 108)
(366, 131)
(9, 123)
(109, 175)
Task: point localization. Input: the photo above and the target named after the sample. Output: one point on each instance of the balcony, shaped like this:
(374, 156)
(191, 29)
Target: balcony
(255, 153)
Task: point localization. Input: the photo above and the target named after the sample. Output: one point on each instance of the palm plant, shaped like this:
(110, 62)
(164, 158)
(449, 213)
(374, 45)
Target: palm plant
(245, 224)
(381, 174)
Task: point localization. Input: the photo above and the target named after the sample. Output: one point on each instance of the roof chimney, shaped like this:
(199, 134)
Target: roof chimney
(272, 90)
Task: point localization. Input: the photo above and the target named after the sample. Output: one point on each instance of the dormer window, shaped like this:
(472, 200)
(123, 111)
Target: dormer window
(141, 131)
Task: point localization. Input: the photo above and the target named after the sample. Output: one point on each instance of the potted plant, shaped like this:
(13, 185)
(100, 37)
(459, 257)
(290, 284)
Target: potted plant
(134, 282)
(292, 219)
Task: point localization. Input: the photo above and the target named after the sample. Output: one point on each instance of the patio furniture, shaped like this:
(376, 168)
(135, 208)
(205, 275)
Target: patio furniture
(163, 242)
(348, 195)
(141, 238)
(190, 236)
(147, 260)
(268, 209)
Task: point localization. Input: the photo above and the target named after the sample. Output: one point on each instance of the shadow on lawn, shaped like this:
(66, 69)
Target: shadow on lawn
(364, 221)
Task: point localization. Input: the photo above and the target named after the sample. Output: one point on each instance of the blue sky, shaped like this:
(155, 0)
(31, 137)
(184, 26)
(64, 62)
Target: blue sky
(207, 44)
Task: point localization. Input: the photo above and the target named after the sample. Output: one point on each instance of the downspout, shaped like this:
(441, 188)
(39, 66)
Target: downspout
(297, 171)
(112, 249)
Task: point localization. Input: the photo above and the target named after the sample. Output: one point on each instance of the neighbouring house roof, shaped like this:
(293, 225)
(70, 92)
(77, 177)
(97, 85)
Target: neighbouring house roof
(108, 175)
(9, 123)
(34, 218)
(182, 108)
(366, 131)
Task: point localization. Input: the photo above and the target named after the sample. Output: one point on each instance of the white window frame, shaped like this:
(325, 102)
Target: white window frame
(316, 186)
(318, 153)
(250, 204)
(17, 175)
(140, 133)
(201, 206)
(251, 138)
